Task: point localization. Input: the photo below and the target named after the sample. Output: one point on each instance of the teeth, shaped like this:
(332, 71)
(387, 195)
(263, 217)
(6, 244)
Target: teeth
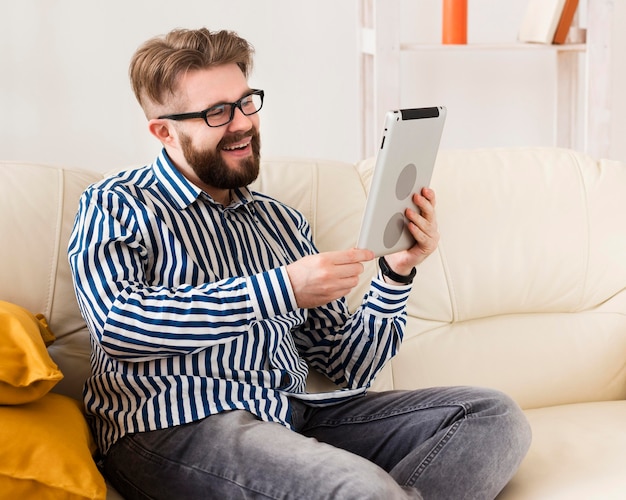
(232, 148)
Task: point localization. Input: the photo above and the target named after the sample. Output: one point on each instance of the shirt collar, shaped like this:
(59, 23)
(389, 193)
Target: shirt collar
(183, 192)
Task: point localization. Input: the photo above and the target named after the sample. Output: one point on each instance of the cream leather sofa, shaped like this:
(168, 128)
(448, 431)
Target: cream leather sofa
(526, 293)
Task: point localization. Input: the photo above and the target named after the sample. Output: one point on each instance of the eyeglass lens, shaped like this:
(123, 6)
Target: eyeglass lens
(223, 113)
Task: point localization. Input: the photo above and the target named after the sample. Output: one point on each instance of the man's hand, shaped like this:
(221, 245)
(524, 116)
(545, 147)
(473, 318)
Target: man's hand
(423, 227)
(319, 279)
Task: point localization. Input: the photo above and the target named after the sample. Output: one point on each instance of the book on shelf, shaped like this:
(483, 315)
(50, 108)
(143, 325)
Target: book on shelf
(540, 21)
(565, 22)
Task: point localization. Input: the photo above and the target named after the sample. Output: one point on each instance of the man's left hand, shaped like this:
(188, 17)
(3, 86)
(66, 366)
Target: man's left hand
(423, 227)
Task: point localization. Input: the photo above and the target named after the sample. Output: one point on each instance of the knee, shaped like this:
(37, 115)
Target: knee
(508, 421)
(519, 428)
(375, 487)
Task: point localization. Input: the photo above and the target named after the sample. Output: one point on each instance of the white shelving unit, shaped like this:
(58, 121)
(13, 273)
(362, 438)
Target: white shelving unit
(380, 79)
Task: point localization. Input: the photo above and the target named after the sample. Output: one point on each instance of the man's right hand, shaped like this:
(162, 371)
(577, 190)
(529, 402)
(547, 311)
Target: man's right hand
(319, 279)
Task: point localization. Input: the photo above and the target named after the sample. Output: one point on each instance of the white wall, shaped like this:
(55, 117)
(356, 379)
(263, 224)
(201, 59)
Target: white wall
(65, 97)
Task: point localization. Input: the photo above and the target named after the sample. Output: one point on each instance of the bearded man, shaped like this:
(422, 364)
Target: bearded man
(207, 303)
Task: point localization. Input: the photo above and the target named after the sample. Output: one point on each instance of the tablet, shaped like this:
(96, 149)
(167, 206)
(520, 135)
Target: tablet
(404, 165)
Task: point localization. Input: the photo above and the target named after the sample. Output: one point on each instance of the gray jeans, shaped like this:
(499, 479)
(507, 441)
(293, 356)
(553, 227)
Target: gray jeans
(440, 443)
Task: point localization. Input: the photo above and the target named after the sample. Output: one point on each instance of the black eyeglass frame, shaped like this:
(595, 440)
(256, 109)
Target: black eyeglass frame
(233, 106)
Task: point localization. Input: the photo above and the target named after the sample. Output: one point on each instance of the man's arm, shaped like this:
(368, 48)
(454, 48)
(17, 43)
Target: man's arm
(351, 350)
(134, 319)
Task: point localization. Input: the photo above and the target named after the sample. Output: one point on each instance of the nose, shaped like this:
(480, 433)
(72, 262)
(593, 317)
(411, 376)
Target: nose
(240, 122)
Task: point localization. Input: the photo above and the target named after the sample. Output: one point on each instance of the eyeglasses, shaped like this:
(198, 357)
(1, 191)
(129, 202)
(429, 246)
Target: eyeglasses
(222, 114)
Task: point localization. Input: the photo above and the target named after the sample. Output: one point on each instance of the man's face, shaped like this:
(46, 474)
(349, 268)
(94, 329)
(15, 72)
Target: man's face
(213, 169)
(223, 157)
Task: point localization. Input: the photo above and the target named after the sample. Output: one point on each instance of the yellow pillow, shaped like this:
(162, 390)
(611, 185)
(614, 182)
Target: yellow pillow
(26, 370)
(46, 334)
(47, 451)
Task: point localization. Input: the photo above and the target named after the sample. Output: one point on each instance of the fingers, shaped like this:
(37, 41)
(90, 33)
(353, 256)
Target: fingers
(426, 242)
(425, 219)
(429, 194)
(345, 264)
(350, 256)
(423, 224)
(426, 202)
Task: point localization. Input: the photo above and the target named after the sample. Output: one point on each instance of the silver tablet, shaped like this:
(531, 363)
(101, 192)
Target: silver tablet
(404, 165)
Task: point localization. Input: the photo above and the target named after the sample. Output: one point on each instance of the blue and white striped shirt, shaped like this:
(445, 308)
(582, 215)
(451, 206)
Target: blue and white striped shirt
(191, 311)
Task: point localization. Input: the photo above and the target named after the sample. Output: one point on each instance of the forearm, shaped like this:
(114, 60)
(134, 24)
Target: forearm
(352, 349)
(143, 322)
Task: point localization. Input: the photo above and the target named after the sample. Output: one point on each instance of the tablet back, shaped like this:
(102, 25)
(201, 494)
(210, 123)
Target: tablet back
(404, 165)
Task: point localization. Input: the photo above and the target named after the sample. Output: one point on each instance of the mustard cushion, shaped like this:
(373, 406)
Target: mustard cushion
(47, 451)
(44, 329)
(26, 370)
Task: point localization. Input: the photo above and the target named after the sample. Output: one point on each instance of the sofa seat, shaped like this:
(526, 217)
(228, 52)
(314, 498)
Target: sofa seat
(526, 292)
(578, 451)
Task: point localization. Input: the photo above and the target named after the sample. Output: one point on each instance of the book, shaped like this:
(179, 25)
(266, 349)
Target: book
(540, 21)
(567, 16)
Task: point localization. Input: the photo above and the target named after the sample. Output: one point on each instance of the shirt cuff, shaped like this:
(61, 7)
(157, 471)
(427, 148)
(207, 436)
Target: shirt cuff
(387, 300)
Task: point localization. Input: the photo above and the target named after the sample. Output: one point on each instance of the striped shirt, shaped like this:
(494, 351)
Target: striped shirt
(191, 311)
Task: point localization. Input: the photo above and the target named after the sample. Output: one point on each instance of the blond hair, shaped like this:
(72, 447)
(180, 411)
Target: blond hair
(157, 64)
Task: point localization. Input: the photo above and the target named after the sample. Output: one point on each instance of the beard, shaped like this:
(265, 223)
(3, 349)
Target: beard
(211, 168)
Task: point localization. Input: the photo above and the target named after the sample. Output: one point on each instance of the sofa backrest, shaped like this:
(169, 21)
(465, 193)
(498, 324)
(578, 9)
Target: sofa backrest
(527, 291)
(37, 208)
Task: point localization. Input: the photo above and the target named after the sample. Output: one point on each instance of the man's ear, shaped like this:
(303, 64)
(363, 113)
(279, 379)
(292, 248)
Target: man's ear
(163, 131)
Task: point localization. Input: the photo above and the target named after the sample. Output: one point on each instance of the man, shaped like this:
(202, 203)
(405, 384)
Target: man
(206, 304)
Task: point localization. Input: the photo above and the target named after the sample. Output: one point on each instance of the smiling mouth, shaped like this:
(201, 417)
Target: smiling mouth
(237, 146)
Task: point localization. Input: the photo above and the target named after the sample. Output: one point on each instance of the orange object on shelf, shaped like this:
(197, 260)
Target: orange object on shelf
(454, 22)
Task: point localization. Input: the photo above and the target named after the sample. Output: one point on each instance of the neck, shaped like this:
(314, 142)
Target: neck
(224, 197)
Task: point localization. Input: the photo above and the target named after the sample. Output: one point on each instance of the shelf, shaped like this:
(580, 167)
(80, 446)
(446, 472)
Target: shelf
(368, 37)
(573, 47)
(380, 68)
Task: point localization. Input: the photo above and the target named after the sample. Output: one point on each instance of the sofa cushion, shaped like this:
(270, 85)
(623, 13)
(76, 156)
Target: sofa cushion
(527, 290)
(47, 451)
(27, 372)
(578, 452)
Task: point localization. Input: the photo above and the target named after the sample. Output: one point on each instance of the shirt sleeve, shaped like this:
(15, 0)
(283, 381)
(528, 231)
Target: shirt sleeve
(136, 321)
(352, 349)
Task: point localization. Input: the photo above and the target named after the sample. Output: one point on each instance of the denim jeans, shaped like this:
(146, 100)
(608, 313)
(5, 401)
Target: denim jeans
(441, 443)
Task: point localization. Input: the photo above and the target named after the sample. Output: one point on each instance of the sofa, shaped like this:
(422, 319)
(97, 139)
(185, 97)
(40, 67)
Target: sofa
(526, 293)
